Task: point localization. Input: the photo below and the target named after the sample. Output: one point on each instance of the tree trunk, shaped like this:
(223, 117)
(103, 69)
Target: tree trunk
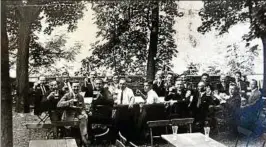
(153, 42)
(263, 38)
(26, 17)
(6, 99)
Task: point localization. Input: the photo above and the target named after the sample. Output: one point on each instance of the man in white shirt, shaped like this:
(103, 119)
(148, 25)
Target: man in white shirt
(152, 96)
(125, 95)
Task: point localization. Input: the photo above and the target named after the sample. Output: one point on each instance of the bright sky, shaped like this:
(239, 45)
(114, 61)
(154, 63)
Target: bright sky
(208, 51)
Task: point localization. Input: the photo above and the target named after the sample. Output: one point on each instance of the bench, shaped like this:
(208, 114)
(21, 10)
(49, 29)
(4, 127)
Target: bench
(53, 143)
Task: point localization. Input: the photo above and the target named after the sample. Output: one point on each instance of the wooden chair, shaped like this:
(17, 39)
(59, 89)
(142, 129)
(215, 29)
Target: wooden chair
(158, 123)
(119, 144)
(183, 121)
(122, 138)
(244, 132)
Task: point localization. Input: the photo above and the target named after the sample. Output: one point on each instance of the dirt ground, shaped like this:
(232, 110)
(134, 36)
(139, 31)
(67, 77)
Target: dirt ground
(21, 133)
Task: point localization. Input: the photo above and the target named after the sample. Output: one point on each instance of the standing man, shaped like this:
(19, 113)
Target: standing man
(89, 85)
(41, 90)
(125, 95)
(114, 86)
(168, 84)
(52, 99)
(66, 82)
(158, 84)
(205, 78)
(240, 84)
(222, 86)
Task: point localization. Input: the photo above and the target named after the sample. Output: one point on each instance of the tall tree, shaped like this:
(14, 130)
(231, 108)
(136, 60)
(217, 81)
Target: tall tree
(6, 99)
(134, 33)
(24, 19)
(221, 15)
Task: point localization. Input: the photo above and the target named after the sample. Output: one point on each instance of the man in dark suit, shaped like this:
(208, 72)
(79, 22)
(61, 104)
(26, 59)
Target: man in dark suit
(65, 83)
(223, 85)
(89, 85)
(41, 90)
(53, 98)
(240, 84)
(178, 99)
(101, 106)
(200, 105)
(158, 84)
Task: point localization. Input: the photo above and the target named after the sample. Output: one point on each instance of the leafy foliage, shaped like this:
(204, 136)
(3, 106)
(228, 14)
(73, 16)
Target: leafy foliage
(240, 59)
(55, 13)
(124, 27)
(221, 15)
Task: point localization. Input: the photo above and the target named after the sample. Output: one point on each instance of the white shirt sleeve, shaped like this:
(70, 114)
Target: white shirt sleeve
(131, 97)
(152, 98)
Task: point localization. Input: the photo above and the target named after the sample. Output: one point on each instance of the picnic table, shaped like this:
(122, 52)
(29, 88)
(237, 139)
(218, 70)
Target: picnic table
(53, 143)
(191, 140)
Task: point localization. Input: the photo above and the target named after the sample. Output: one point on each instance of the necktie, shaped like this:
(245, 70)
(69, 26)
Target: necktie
(121, 100)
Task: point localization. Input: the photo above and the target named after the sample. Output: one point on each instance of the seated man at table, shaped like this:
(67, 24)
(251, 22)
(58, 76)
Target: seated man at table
(125, 95)
(101, 107)
(151, 97)
(252, 107)
(73, 102)
(178, 99)
(232, 106)
(200, 105)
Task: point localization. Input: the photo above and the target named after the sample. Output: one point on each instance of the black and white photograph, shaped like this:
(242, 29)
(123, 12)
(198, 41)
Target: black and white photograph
(133, 73)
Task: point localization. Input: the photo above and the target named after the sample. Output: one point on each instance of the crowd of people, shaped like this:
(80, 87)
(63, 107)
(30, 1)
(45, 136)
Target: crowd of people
(238, 99)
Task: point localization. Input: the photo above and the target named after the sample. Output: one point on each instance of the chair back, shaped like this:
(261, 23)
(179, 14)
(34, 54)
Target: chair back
(183, 121)
(158, 123)
(122, 138)
(119, 144)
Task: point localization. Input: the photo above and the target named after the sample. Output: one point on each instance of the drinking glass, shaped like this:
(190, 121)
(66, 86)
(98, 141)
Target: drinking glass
(174, 129)
(206, 132)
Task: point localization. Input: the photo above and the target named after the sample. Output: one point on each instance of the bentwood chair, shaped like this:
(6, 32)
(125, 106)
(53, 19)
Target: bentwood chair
(122, 138)
(131, 144)
(119, 144)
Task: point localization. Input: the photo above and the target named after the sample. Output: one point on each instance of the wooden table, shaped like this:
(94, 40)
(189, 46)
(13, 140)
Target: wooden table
(191, 140)
(53, 143)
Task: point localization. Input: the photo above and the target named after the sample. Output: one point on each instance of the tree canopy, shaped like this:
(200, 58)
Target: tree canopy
(54, 14)
(125, 28)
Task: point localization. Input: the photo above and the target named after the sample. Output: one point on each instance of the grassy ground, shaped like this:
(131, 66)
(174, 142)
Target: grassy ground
(21, 133)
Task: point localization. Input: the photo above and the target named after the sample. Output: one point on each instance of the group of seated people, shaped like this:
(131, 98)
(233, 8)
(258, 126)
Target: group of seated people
(179, 97)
